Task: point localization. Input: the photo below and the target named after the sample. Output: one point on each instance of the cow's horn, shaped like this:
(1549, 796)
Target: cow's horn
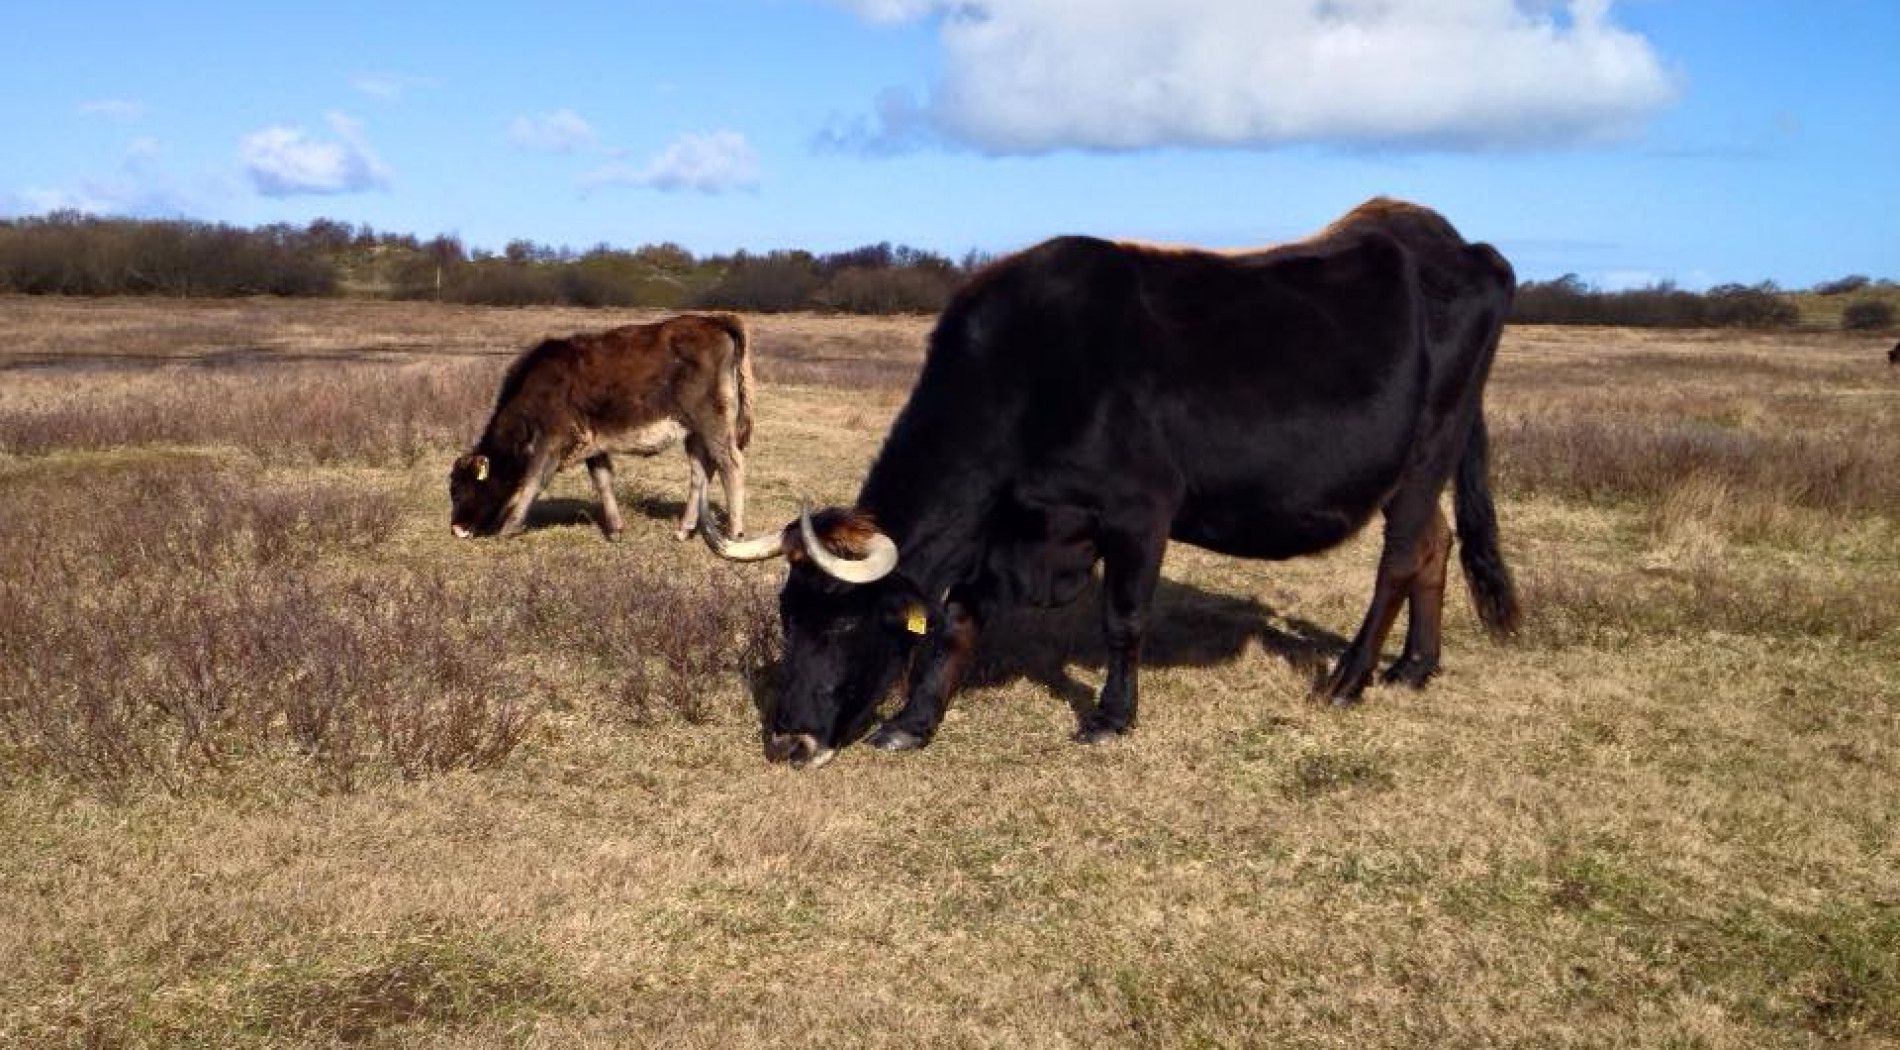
(875, 565)
(759, 548)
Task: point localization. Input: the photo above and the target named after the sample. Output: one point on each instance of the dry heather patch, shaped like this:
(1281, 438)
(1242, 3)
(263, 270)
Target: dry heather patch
(169, 622)
(1664, 817)
(279, 414)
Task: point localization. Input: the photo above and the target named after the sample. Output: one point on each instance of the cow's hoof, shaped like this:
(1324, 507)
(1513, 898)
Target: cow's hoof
(1410, 672)
(682, 533)
(613, 535)
(888, 737)
(1098, 730)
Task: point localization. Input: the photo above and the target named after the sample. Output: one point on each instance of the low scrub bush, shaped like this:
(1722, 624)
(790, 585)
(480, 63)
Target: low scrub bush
(375, 414)
(1596, 459)
(169, 622)
(1867, 315)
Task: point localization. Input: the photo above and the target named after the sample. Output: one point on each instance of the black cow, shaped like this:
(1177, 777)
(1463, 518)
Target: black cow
(1088, 400)
(1893, 356)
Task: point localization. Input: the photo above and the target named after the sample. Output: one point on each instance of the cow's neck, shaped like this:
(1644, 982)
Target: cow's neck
(935, 522)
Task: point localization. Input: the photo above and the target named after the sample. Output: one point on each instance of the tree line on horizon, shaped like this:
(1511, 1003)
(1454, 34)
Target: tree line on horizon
(68, 253)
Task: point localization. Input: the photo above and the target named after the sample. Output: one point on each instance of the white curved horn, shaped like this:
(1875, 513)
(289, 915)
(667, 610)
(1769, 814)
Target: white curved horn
(875, 565)
(759, 548)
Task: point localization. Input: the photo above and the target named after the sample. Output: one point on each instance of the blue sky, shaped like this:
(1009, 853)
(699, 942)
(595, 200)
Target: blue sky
(1693, 140)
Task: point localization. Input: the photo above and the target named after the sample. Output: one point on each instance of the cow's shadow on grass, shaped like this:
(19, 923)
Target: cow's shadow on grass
(1188, 627)
(553, 512)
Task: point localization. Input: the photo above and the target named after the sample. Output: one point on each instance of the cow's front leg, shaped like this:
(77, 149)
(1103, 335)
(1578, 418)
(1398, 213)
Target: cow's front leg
(541, 467)
(948, 650)
(1131, 566)
(601, 470)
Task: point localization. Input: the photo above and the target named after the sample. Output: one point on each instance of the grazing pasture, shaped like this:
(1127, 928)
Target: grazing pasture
(282, 763)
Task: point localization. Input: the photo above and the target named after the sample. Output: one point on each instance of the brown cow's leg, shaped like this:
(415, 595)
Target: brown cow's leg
(1411, 519)
(601, 470)
(1419, 661)
(730, 463)
(948, 652)
(698, 464)
(541, 467)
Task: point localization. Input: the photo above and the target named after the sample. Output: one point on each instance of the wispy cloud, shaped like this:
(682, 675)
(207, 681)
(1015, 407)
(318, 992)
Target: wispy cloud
(284, 161)
(559, 131)
(141, 151)
(389, 85)
(139, 187)
(1031, 76)
(122, 109)
(715, 162)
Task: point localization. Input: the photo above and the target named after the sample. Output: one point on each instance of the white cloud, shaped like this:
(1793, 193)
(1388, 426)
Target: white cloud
(561, 131)
(388, 85)
(289, 161)
(113, 108)
(1030, 76)
(716, 162)
(121, 195)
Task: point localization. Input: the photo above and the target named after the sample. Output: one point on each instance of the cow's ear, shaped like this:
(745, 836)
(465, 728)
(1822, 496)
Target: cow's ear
(907, 612)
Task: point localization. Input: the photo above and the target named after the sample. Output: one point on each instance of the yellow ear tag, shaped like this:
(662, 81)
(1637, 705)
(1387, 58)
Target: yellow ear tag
(915, 620)
(481, 470)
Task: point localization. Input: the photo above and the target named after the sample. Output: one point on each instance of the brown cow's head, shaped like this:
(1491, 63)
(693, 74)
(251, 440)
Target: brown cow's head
(479, 488)
(848, 622)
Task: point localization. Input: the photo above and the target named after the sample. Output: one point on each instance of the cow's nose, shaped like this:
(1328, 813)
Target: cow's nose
(795, 748)
(461, 532)
(802, 750)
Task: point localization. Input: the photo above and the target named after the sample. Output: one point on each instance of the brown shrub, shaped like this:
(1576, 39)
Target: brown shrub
(1581, 606)
(170, 621)
(1614, 458)
(340, 412)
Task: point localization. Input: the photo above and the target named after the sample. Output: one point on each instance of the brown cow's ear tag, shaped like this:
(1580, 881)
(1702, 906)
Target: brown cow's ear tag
(915, 619)
(481, 468)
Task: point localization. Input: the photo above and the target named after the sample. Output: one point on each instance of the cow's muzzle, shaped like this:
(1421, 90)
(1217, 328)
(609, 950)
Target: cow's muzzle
(461, 532)
(802, 750)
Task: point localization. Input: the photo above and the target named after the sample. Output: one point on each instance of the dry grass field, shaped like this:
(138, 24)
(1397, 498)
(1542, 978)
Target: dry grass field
(282, 764)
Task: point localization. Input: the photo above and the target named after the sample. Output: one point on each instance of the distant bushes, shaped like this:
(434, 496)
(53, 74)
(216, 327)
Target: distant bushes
(1867, 315)
(1568, 300)
(66, 253)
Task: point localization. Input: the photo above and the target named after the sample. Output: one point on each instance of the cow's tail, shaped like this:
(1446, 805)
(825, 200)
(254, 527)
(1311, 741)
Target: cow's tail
(1492, 591)
(742, 370)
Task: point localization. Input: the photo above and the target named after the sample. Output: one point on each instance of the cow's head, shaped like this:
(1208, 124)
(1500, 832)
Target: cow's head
(479, 489)
(849, 625)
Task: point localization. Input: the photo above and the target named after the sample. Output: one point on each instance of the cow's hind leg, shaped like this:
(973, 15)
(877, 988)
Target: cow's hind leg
(601, 470)
(698, 466)
(1131, 566)
(1412, 537)
(1426, 605)
(730, 462)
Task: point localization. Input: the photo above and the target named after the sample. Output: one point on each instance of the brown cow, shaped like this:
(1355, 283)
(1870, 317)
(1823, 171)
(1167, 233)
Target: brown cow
(636, 389)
